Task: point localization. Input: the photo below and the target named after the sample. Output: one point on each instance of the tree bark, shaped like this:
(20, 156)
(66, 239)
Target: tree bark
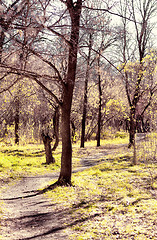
(68, 87)
(48, 152)
(56, 128)
(132, 127)
(83, 126)
(133, 108)
(73, 133)
(100, 106)
(2, 37)
(66, 158)
(17, 120)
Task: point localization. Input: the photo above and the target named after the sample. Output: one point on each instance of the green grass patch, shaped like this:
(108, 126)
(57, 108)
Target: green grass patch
(113, 200)
(18, 161)
(111, 141)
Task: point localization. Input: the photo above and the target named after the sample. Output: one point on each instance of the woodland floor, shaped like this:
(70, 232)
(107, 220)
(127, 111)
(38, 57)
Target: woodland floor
(29, 216)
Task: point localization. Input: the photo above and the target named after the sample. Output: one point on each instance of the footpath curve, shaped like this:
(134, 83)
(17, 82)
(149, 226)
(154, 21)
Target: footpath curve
(29, 216)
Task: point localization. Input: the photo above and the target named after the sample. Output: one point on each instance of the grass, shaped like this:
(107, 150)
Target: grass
(17, 161)
(112, 200)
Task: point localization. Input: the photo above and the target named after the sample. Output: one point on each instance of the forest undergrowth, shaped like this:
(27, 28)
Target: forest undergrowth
(111, 200)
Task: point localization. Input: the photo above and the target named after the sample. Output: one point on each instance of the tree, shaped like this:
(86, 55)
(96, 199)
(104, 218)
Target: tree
(64, 83)
(85, 92)
(101, 37)
(100, 104)
(66, 159)
(7, 15)
(50, 43)
(56, 127)
(48, 151)
(105, 44)
(136, 14)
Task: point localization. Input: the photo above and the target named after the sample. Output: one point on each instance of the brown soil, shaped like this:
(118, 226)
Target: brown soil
(30, 216)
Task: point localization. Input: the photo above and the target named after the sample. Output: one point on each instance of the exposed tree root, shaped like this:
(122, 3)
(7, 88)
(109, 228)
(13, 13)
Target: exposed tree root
(58, 183)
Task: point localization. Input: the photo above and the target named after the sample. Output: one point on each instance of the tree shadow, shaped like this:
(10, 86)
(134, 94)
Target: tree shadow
(21, 153)
(39, 221)
(64, 217)
(62, 227)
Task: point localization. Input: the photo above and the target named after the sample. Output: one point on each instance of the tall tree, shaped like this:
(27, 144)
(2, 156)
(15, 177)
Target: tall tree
(137, 14)
(86, 92)
(66, 159)
(100, 104)
(39, 26)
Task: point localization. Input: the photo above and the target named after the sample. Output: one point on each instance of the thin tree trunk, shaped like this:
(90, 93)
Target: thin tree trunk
(85, 94)
(134, 162)
(56, 128)
(100, 106)
(132, 127)
(73, 134)
(17, 120)
(83, 126)
(2, 37)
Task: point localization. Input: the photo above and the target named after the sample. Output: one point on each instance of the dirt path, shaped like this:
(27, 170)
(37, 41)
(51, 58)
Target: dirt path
(29, 216)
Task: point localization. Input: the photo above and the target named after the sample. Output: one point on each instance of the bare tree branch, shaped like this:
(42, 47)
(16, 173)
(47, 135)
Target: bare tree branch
(33, 76)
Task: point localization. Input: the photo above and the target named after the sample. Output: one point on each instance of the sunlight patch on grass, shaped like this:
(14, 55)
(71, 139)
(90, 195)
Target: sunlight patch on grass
(17, 161)
(108, 142)
(110, 201)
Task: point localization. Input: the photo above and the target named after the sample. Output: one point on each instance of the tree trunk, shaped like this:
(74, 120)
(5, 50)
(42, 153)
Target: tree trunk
(68, 87)
(17, 120)
(2, 37)
(134, 161)
(66, 158)
(139, 124)
(56, 128)
(73, 133)
(47, 144)
(132, 127)
(133, 108)
(85, 94)
(100, 105)
(83, 126)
